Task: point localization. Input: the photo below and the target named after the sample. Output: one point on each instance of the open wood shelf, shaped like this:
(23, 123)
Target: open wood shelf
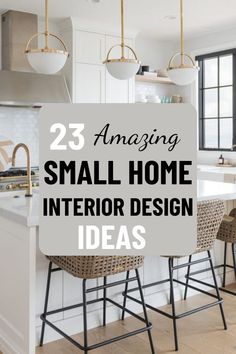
(153, 79)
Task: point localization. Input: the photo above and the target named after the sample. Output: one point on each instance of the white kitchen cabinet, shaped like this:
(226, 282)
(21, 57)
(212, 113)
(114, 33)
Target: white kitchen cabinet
(17, 295)
(55, 298)
(118, 91)
(86, 75)
(90, 83)
(90, 47)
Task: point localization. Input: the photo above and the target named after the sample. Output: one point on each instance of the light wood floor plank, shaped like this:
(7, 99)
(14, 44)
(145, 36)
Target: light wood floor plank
(198, 334)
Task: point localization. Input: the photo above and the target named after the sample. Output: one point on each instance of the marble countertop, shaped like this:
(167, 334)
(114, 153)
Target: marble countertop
(16, 207)
(217, 169)
(25, 211)
(207, 190)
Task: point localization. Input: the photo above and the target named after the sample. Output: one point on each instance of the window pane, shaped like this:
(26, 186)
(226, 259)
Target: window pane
(211, 103)
(211, 133)
(211, 72)
(226, 70)
(226, 133)
(226, 102)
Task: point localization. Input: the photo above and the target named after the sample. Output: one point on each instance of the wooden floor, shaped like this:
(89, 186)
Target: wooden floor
(200, 333)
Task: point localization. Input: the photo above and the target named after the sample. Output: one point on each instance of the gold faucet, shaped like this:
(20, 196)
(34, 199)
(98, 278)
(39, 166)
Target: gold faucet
(25, 147)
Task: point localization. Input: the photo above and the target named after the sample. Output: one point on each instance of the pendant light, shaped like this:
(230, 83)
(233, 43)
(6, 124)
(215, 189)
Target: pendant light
(183, 74)
(46, 60)
(122, 68)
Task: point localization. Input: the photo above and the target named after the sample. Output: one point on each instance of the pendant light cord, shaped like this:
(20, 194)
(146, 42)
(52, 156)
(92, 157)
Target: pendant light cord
(46, 24)
(122, 31)
(182, 31)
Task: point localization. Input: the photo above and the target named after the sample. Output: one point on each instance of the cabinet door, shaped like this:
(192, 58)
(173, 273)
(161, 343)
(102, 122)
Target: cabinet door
(90, 83)
(118, 91)
(90, 47)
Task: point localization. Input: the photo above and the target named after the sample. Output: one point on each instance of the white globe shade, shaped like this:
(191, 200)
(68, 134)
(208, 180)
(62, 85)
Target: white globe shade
(47, 62)
(183, 76)
(123, 70)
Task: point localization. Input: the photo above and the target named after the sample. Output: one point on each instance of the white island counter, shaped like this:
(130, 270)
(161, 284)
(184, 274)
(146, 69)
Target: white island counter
(207, 190)
(23, 280)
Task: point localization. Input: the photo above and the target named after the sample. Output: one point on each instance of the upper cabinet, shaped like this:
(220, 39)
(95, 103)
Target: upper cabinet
(90, 83)
(88, 79)
(89, 47)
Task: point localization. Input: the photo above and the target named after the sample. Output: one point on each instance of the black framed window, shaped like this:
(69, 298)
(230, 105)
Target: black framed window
(217, 100)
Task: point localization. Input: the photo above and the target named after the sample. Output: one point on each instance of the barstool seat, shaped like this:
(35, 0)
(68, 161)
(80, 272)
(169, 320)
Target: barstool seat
(93, 267)
(227, 230)
(227, 234)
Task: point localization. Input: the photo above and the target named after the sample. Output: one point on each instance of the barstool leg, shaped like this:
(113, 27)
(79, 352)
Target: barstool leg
(187, 278)
(85, 317)
(104, 302)
(172, 300)
(234, 261)
(46, 302)
(217, 289)
(144, 310)
(225, 262)
(125, 293)
(170, 297)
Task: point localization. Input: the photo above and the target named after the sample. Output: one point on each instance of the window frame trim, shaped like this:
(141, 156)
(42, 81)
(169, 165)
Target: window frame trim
(200, 59)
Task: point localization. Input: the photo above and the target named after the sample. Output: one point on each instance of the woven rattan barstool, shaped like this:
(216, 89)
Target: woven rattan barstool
(227, 234)
(92, 267)
(210, 214)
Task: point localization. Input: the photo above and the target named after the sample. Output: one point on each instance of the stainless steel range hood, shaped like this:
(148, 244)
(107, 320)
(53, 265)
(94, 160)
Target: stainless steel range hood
(19, 86)
(29, 89)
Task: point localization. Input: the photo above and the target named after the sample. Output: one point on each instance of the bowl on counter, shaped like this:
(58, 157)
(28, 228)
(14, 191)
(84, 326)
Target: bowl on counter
(176, 99)
(162, 73)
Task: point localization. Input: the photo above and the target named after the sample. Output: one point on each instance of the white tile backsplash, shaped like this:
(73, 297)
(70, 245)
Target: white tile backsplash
(21, 126)
(152, 89)
(148, 88)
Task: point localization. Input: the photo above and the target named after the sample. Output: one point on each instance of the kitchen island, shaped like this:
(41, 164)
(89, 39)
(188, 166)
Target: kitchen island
(23, 280)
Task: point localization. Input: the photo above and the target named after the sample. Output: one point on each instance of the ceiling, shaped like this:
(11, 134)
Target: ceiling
(155, 18)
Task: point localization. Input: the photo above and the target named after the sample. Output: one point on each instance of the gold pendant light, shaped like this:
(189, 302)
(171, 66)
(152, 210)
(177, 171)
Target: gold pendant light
(122, 68)
(183, 74)
(46, 60)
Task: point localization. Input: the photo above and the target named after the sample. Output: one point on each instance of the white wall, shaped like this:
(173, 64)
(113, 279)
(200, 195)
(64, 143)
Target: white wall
(212, 42)
(153, 52)
(156, 54)
(1, 43)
